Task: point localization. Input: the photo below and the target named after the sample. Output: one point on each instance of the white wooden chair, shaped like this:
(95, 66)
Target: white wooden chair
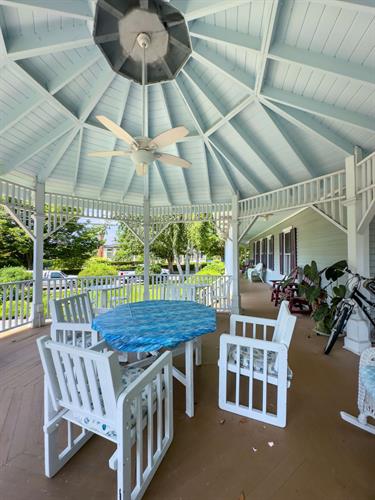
(71, 321)
(252, 358)
(256, 271)
(86, 388)
(366, 393)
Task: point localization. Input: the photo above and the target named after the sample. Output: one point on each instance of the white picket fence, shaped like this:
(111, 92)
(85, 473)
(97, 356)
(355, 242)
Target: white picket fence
(16, 297)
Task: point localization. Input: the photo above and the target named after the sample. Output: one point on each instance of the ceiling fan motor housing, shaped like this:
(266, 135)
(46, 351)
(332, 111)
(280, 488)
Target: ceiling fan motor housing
(119, 27)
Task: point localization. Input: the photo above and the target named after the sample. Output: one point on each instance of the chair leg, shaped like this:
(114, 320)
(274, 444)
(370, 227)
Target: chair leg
(54, 457)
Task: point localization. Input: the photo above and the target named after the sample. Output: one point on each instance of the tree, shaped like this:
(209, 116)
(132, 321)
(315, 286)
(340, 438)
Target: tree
(129, 244)
(69, 246)
(72, 244)
(170, 244)
(16, 247)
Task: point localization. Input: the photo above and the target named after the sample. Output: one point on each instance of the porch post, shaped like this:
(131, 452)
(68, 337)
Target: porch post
(231, 251)
(358, 329)
(37, 305)
(146, 248)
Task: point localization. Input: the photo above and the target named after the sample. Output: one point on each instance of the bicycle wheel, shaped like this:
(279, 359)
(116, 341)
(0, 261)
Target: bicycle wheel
(338, 327)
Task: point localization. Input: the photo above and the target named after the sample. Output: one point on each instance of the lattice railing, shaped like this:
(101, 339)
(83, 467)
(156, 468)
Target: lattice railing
(326, 193)
(19, 202)
(365, 177)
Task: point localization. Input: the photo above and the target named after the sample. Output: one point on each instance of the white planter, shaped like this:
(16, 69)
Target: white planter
(357, 334)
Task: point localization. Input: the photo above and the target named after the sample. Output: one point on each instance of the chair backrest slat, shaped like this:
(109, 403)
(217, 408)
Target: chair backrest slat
(284, 325)
(81, 380)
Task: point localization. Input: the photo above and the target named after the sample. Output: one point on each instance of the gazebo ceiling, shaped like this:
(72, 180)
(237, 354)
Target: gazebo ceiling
(274, 92)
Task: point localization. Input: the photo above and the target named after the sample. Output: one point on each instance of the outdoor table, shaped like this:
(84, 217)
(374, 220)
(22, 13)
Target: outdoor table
(153, 325)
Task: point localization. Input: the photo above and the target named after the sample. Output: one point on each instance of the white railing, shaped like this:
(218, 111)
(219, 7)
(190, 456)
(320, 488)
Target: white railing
(104, 291)
(365, 180)
(324, 190)
(15, 304)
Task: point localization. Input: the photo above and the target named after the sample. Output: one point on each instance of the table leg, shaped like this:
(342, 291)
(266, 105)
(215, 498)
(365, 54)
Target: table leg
(189, 374)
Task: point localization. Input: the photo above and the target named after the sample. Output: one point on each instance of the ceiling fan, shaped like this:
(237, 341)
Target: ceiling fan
(143, 150)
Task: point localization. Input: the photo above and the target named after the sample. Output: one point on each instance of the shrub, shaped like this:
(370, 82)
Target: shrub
(214, 268)
(18, 273)
(154, 269)
(98, 266)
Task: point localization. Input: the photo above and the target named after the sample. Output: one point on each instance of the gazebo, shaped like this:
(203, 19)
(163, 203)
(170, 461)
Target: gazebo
(278, 97)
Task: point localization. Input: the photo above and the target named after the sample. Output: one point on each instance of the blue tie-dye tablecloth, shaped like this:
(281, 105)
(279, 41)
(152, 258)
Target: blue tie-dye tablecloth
(154, 324)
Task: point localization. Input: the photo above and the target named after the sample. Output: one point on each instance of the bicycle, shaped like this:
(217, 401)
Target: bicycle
(346, 306)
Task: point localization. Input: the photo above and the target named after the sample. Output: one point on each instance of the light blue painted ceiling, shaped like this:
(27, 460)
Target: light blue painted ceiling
(275, 92)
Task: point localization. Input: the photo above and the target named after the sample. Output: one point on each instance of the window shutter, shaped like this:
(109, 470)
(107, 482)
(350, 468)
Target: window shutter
(293, 248)
(272, 253)
(281, 252)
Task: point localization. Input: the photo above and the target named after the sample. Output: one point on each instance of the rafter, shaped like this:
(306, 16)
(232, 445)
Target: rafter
(198, 84)
(79, 67)
(128, 183)
(255, 183)
(57, 153)
(319, 108)
(193, 9)
(118, 119)
(78, 9)
(45, 141)
(194, 114)
(207, 172)
(222, 166)
(222, 65)
(261, 154)
(310, 170)
(266, 43)
(235, 111)
(96, 93)
(77, 160)
(32, 45)
(225, 36)
(163, 181)
(177, 149)
(310, 124)
(323, 63)
(26, 77)
(20, 111)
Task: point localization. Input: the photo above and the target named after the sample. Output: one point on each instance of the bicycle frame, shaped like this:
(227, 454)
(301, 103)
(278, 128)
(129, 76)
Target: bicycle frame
(361, 299)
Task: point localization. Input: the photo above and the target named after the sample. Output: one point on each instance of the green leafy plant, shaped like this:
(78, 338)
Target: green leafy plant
(324, 298)
(16, 273)
(214, 268)
(98, 266)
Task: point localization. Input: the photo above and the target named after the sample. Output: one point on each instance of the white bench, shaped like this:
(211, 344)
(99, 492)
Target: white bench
(86, 388)
(247, 356)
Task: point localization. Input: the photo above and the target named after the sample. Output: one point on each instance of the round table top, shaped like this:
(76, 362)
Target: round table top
(154, 324)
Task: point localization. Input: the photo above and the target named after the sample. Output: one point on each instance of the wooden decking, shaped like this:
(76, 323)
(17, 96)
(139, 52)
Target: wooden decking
(318, 456)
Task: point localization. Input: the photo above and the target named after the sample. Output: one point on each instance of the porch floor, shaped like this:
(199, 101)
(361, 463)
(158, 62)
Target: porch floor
(316, 456)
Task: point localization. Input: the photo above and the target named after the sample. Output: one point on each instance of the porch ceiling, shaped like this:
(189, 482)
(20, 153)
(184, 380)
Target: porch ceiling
(263, 224)
(275, 92)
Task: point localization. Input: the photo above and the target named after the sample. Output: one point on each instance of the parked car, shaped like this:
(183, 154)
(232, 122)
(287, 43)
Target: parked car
(57, 279)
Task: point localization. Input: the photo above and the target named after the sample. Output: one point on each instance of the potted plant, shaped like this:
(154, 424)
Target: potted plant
(324, 295)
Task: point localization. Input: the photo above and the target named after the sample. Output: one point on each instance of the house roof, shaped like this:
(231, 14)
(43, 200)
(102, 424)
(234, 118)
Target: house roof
(275, 92)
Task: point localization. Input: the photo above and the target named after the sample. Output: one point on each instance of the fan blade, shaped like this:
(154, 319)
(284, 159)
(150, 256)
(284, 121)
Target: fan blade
(108, 154)
(116, 130)
(169, 137)
(141, 168)
(174, 160)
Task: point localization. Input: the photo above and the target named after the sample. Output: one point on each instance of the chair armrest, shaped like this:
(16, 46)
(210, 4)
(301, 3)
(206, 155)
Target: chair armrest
(139, 384)
(267, 345)
(100, 346)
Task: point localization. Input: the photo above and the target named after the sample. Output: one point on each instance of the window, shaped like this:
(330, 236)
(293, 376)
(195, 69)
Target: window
(56, 275)
(271, 250)
(288, 250)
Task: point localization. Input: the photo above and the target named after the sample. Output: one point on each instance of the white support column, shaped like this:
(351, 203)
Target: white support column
(146, 248)
(39, 219)
(232, 257)
(358, 329)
